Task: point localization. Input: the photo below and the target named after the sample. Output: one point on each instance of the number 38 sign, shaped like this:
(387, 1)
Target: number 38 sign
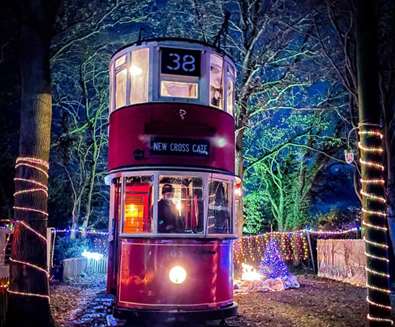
(180, 62)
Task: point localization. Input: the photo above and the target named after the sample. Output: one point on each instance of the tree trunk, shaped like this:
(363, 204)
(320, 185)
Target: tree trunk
(29, 287)
(372, 168)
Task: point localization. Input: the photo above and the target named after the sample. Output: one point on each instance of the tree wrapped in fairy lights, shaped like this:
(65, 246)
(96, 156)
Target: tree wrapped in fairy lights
(272, 264)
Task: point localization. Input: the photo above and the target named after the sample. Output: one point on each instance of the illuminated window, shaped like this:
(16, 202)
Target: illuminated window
(229, 97)
(120, 88)
(120, 61)
(180, 207)
(139, 76)
(138, 205)
(179, 89)
(219, 207)
(216, 81)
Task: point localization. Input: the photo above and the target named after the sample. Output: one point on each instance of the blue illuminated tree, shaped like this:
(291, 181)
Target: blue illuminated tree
(272, 265)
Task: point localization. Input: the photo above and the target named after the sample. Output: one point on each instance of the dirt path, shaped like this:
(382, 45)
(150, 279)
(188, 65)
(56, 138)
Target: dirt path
(318, 303)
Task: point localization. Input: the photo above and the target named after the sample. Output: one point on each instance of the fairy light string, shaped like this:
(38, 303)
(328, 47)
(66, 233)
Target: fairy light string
(375, 223)
(29, 187)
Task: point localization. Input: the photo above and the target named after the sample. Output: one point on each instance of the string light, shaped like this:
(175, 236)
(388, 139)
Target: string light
(377, 272)
(372, 181)
(380, 319)
(367, 130)
(373, 197)
(384, 229)
(41, 166)
(378, 304)
(371, 164)
(379, 245)
(370, 149)
(374, 212)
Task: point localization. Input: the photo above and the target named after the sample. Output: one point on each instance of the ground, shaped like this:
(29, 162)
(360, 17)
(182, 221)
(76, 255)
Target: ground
(318, 302)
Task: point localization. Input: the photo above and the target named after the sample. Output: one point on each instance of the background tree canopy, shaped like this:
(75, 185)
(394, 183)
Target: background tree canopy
(295, 102)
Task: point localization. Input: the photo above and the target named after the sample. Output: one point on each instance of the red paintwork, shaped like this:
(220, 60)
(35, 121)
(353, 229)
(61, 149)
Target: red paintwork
(131, 128)
(144, 270)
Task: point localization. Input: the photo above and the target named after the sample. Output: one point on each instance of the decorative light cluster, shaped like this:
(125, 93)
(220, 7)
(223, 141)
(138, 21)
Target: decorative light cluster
(374, 219)
(293, 246)
(34, 186)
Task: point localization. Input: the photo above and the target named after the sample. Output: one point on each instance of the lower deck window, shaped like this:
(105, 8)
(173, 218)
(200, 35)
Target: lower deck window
(180, 207)
(219, 207)
(138, 205)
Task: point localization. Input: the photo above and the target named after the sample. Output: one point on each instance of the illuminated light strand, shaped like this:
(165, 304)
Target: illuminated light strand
(379, 245)
(31, 190)
(372, 164)
(370, 149)
(374, 212)
(374, 272)
(38, 268)
(33, 161)
(384, 229)
(378, 304)
(31, 265)
(372, 133)
(29, 294)
(373, 197)
(376, 257)
(32, 166)
(31, 209)
(380, 319)
(372, 181)
(379, 289)
(31, 181)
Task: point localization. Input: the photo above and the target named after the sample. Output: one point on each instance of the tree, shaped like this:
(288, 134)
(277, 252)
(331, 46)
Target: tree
(28, 293)
(272, 265)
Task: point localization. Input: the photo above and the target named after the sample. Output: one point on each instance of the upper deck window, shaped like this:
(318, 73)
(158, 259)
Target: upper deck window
(216, 81)
(179, 73)
(139, 69)
(230, 78)
(120, 87)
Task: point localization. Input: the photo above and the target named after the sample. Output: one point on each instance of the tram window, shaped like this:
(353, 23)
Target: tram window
(139, 76)
(216, 81)
(180, 208)
(179, 89)
(229, 97)
(138, 205)
(219, 207)
(120, 88)
(120, 61)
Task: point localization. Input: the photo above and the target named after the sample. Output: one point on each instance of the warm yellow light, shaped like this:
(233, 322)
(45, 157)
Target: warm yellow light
(135, 70)
(177, 275)
(250, 273)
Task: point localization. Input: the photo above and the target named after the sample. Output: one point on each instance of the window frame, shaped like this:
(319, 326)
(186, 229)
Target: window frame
(205, 176)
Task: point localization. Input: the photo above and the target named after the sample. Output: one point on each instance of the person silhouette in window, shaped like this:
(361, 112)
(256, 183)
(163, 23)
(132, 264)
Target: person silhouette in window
(168, 217)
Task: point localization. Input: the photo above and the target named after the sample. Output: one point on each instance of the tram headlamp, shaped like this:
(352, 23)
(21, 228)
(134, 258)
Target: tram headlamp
(177, 275)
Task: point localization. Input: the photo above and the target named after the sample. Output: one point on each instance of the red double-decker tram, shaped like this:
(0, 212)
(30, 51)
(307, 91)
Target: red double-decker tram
(171, 171)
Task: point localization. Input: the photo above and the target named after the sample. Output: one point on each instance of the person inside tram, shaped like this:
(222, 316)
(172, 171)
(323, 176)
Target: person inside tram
(169, 220)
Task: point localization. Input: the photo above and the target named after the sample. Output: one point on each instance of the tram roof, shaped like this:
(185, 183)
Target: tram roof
(175, 39)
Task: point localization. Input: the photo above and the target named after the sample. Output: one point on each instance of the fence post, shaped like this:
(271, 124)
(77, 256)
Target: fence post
(310, 249)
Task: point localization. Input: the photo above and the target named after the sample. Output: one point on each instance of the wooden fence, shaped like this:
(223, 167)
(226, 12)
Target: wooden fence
(75, 267)
(342, 260)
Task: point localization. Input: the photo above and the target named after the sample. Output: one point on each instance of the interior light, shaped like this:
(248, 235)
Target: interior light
(135, 70)
(177, 275)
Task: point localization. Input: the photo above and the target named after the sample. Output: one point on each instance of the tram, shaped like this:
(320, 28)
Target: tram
(173, 188)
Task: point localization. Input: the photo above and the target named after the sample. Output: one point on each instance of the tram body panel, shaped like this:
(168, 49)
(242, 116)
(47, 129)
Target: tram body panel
(197, 135)
(145, 267)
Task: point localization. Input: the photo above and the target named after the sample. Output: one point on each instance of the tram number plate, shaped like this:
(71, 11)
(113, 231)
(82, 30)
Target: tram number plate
(167, 146)
(180, 62)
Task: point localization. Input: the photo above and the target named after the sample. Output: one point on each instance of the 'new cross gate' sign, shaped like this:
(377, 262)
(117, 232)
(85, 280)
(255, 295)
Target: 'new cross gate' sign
(168, 146)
